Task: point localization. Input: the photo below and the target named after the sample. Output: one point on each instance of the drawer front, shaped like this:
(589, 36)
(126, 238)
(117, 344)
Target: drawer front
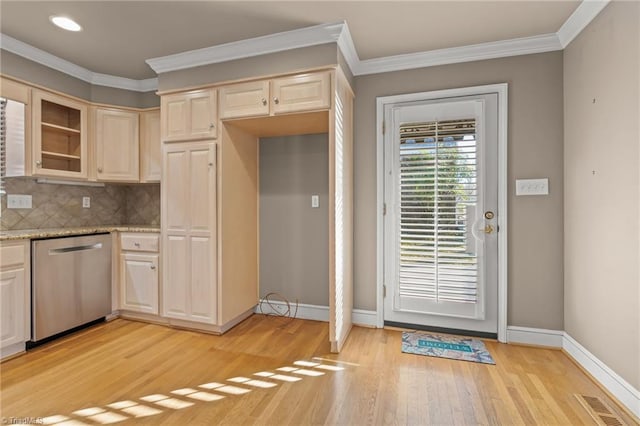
(140, 242)
(12, 255)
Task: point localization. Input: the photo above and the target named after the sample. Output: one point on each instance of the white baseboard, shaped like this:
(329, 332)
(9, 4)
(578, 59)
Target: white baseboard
(535, 336)
(622, 390)
(308, 312)
(318, 313)
(364, 318)
(12, 350)
(609, 379)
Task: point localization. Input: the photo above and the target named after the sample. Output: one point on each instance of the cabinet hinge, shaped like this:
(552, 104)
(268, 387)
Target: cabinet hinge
(383, 127)
(384, 209)
(384, 291)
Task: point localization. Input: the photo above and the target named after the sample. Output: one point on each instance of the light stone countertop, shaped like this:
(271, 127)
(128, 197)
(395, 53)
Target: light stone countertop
(25, 234)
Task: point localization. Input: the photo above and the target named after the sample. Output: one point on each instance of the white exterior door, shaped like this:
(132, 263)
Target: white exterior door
(440, 226)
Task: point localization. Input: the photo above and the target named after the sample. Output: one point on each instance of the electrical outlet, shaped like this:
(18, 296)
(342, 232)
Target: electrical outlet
(86, 202)
(315, 201)
(532, 186)
(15, 201)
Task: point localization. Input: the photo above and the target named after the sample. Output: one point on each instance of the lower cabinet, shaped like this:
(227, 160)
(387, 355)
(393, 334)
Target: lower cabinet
(14, 296)
(139, 272)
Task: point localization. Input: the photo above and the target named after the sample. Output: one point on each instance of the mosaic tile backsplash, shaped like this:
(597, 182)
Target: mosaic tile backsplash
(60, 206)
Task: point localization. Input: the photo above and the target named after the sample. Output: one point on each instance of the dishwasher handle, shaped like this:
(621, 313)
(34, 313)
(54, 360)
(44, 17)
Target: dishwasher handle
(76, 248)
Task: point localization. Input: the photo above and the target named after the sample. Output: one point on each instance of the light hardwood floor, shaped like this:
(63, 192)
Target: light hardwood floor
(135, 373)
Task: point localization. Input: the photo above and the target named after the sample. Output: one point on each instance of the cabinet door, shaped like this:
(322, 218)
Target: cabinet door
(176, 276)
(12, 306)
(59, 136)
(150, 152)
(189, 224)
(139, 282)
(244, 100)
(189, 116)
(117, 145)
(300, 93)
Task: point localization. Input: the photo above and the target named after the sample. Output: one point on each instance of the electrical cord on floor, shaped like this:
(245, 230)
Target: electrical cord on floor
(276, 310)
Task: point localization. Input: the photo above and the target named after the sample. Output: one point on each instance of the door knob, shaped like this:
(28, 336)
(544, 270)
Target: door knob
(488, 229)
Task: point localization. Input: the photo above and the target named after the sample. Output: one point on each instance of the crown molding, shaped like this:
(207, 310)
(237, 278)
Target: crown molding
(476, 52)
(337, 32)
(146, 85)
(348, 49)
(34, 54)
(579, 19)
(288, 40)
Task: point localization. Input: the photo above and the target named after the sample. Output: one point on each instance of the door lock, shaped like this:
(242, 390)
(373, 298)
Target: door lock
(489, 215)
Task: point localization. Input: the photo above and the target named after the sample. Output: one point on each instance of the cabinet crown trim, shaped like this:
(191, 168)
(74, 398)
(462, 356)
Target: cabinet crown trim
(288, 40)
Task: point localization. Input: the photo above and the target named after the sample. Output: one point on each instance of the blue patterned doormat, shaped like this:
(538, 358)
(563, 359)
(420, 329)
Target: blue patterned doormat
(441, 346)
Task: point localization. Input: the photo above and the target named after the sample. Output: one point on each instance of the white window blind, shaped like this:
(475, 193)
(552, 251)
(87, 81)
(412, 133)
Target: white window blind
(3, 143)
(438, 197)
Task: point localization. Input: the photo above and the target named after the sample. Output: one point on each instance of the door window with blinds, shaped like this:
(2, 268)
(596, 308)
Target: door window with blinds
(437, 203)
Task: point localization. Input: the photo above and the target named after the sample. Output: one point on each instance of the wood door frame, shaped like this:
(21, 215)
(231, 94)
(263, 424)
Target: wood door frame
(502, 91)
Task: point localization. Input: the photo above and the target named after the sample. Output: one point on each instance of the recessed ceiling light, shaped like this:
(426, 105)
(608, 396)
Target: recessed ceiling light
(65, 23)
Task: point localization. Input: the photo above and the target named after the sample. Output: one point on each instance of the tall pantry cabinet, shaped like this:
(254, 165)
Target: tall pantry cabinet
(210, 193)
(189, 209)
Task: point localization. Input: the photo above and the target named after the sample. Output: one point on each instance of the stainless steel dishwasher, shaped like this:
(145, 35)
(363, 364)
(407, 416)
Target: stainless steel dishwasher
(71, 280)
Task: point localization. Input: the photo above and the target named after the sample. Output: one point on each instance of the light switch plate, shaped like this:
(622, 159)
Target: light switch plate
(15, 201)
(532, 186)
(315, 201)
(86, 202)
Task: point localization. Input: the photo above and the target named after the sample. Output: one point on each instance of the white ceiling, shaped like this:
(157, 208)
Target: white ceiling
(118, 37)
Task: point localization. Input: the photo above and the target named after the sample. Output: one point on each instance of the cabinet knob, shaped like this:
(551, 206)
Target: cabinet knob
(276, 101)
(153, 266)
(136, 244)
(99, 169)
(38, 163)
(211, 126)
(264, 101)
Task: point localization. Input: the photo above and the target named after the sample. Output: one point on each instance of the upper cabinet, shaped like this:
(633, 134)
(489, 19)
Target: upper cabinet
(150, 146)
(300, 93)
(244, 99)
(117, 145)
(13, 90)
(189, 116)
(59, 136)
(304, 92)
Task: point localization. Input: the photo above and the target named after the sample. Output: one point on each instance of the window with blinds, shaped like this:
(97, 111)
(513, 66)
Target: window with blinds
(3, 143)
(438, 197)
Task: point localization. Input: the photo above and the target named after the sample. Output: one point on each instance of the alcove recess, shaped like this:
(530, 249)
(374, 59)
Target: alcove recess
(205, 219)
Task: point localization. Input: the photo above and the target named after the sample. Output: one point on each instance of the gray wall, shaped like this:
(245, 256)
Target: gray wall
(602, 188)
(32, 72)
(257, 66)
(535, 150)
(294, 237)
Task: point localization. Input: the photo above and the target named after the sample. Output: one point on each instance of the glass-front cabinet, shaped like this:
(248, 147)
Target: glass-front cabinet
(59, 136)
